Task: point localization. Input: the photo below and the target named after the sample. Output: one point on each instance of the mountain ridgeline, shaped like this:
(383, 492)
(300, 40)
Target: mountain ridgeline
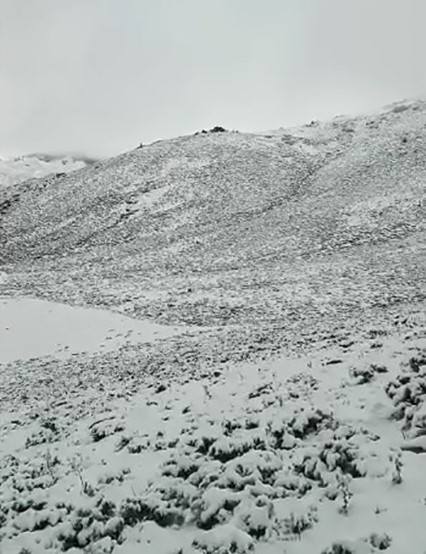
(21, 168)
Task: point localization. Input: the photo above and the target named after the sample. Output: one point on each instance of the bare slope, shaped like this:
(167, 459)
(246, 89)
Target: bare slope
(281, 230)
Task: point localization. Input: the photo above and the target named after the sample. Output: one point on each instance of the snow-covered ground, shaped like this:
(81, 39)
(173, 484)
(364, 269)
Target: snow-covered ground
(33, 328)
(246, 370)
(287, 455)
(21, 168)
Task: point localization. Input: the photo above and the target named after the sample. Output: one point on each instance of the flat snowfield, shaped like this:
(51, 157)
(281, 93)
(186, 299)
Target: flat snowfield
(289, 455)
(32, 328)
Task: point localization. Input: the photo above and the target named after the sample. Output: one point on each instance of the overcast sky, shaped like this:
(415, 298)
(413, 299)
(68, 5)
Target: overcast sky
(100, 76)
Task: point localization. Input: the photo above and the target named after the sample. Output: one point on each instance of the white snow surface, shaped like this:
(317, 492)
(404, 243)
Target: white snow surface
(320, 453)
(32, 328)
(248, 460)
(21, 168)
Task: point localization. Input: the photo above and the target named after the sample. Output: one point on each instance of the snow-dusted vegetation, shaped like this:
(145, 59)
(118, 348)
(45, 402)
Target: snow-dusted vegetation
(260, 386)
(287, 455)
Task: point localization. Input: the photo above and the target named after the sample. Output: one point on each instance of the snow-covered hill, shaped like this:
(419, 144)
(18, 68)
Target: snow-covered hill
(22, 168)
(261, 385)
(269, 232)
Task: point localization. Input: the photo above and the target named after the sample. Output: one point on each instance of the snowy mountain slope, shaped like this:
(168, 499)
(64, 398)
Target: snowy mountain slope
(280, 404)
(36, 166)
(269, 232)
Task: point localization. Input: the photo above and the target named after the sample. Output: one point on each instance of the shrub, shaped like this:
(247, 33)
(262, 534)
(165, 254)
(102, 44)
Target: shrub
(339, 548)
(381, 542)
(362, 375)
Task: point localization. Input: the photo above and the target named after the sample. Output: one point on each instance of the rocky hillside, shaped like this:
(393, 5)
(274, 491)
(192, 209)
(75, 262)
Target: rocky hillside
(267, 234)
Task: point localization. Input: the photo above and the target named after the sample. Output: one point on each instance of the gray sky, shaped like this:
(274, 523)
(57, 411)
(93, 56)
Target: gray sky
(100, 76)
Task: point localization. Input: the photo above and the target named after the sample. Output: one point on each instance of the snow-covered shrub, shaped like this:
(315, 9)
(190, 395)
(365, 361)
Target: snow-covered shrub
(288, 484)
(266, 388)
(256, 517)
(376, 344)
(339, 548)
(113, 476)
(105, 545)
(303, 380)
(37, 520)
(280, 436)
(182, 466)
(408, 395)
(224, 539)
(360, 546)
(215, 507)
(293, 517)
(362, 375)
(205, 491)
(89, 525)
(49, 432)
(165, 504)
(381, 541)
(345, 493)
(230, 425)
(406, 390)
(27, 475)
(337, 455)
(228, 448)
(207, 474)
(416, 421)
(374, 333)
(136, 445)
(397, 471)
(24, 501)
(379, 368)
(309, 421)
(86, 487)
(251, 422)
(102, 429)
(203, 443)
(122, 442)
(299, 522)
(418, 363)
(287, 432)
(3, 516)
(42, 436)
(132, 511)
